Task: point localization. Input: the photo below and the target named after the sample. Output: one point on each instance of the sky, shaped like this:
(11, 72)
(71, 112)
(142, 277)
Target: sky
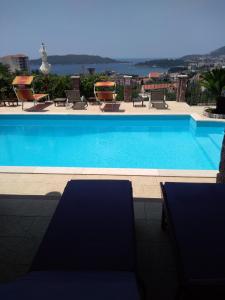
(116, 28)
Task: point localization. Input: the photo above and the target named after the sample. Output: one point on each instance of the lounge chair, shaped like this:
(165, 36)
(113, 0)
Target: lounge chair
(105, 92)
(24, 92)
(157, 99)
(138, 99)
(87, 215)
(73, 96)
(194, 214)
(88, 251)
(28, 95)
(4, 100)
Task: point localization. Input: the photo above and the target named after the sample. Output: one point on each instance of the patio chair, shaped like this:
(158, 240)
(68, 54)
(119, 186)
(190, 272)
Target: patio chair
(88, 251)
(87, 206)
(105, 93)
(24, 92)
(73, 96)
(194, 215)
(28, 95)
(6, 100)
(138, 99)
(157, 99)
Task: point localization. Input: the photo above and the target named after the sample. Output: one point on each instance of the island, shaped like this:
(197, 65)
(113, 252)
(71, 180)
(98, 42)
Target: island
(75, 59)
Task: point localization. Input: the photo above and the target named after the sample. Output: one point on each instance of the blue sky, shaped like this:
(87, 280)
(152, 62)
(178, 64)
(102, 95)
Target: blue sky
(119, 28)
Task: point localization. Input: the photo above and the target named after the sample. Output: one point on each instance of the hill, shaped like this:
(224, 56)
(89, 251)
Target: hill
(75, 59)
(215, 53)
(192, 57)
(218, 52)
(182, 61)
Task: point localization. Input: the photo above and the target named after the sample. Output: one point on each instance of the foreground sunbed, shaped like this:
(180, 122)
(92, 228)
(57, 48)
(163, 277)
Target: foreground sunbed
(88, 251)
(195, 215)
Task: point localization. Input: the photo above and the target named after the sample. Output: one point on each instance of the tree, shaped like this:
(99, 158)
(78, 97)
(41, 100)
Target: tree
(214, 82)
(4, 70)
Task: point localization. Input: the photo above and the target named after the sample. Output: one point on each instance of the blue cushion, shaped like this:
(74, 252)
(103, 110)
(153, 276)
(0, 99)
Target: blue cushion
(72, 285)
(92, 229)
(196, 213)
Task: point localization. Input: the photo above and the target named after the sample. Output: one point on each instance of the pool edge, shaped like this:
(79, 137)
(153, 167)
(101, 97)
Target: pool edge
(109, 171)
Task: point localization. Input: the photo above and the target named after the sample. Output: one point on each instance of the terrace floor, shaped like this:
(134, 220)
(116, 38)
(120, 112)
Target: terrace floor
(28, 201)
(120, 108)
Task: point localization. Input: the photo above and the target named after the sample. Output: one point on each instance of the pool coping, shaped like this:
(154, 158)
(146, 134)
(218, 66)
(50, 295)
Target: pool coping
(109, 171)
(196, 116)
(115, 171)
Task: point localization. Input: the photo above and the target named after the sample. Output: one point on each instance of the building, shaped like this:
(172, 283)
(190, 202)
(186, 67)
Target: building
(17, 62)
(154, 75)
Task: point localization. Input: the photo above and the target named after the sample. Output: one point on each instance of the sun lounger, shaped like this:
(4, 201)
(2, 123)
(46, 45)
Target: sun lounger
(105, 93)
(92, 229)
(157, 100)
(73, 96)
(6, 100)
(138, 99)
(88, 251)
(61, 285)
(195, 214)
(24, 92)
(27, 95)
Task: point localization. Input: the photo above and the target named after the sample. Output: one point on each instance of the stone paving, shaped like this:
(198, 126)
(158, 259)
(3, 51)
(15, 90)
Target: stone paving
(28, 201)
(121, 108)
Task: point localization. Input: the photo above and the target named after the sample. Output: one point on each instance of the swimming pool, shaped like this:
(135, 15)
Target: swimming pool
(94, 141)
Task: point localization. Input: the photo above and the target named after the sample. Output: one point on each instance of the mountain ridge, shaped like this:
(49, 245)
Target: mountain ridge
(76, 59)
(182, 61)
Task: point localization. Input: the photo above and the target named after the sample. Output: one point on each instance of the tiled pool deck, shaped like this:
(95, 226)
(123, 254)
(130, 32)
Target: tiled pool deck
(124, 108)
(28, 201)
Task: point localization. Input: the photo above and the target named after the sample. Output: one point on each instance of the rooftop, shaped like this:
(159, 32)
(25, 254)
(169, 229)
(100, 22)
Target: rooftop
(14, 56)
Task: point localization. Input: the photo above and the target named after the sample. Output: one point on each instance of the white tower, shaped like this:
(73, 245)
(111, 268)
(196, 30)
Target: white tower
(45, 66)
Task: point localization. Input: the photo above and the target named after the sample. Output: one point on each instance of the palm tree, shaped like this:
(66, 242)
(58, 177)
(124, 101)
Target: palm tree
(214, 82)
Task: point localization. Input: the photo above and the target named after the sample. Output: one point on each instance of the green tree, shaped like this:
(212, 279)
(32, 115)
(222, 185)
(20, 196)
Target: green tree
(4, 70)
(6, 78)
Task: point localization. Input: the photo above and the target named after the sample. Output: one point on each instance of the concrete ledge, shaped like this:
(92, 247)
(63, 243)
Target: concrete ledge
(109, 171)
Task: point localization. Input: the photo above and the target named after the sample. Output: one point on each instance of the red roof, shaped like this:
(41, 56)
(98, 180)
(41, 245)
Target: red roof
(154, 75)
(159, 86)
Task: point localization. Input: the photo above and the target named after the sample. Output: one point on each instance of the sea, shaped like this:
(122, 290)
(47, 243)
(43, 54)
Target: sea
(125, 67)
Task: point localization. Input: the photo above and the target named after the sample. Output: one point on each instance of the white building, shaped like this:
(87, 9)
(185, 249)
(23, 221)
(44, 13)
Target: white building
(17, 62)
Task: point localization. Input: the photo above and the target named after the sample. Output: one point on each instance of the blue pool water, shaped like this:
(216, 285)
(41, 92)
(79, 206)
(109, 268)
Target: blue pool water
(152, 142)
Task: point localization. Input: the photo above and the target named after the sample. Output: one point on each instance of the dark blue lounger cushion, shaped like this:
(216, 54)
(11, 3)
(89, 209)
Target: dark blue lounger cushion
(72, 285)
(92, 229)
(197, 216)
